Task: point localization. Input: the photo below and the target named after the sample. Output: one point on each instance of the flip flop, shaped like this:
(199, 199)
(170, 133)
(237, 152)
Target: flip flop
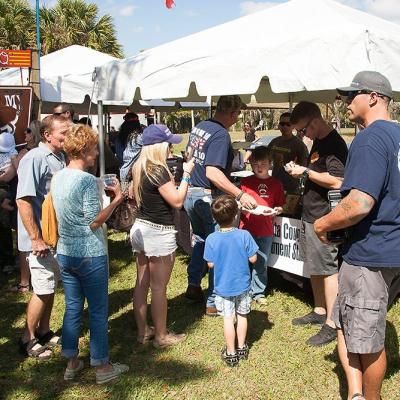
(148, 337)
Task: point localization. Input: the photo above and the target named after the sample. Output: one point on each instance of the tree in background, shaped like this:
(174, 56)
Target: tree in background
(17, 24)
(68, 22)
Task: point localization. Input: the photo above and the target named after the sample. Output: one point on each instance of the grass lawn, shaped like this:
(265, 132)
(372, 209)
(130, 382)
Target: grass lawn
(280, 365)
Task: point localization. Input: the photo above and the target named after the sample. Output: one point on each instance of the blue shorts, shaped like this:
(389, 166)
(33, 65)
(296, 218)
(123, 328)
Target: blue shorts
(232, 305)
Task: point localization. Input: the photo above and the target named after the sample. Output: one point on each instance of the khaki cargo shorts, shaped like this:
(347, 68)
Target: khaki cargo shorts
(361, 306)
(45, 273)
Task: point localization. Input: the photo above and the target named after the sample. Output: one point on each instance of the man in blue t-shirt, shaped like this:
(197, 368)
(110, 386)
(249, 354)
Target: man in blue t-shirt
(210, 145)
(371, 211)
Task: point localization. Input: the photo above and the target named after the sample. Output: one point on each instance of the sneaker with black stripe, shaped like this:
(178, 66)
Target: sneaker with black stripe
(243, 352)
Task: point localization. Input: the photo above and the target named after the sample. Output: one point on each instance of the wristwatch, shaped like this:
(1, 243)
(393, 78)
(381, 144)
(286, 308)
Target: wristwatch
(306, 173)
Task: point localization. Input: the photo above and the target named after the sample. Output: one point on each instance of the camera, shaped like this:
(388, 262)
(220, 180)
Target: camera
(340, 235)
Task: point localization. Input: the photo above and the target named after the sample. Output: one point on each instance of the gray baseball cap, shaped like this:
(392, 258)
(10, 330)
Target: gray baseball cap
(368, 80)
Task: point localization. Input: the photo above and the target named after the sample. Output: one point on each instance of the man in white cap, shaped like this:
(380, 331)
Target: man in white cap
(371, 207)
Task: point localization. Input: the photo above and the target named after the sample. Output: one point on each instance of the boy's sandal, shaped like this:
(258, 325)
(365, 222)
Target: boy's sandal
(18, 288)
(34, 349)
(49, 339)
(357, 396)
(148, 337)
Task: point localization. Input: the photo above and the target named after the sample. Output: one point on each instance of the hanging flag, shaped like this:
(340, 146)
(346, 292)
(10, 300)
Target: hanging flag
(169, 3)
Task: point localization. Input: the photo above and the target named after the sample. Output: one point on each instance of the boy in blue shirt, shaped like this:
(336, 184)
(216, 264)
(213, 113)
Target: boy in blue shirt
(229, 251)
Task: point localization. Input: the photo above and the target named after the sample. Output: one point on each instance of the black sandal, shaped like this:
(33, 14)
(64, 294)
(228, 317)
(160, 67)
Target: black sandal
(28, 350)
(49, 339)
(18, 288)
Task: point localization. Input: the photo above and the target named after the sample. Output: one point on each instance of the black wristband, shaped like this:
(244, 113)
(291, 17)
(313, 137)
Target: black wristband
(239, 196)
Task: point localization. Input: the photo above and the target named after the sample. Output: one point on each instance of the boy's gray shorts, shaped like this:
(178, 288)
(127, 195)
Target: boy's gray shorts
(319, 258)
(361, 306)
(229, 306)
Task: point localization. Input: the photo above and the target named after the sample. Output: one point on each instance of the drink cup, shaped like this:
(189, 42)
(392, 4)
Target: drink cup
(109, 180)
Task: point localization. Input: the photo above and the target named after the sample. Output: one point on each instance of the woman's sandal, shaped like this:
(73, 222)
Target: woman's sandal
(34, 349)
(19, 288)
(49, 339)
(357, 396)
(148, 337)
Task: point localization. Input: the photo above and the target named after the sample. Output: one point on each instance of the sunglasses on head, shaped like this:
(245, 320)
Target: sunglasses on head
(59, 113)
(28, 130)
(284, 123)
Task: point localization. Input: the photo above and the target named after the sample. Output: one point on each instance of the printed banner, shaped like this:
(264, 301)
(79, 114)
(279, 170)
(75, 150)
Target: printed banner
(15, 58)
(15, 110)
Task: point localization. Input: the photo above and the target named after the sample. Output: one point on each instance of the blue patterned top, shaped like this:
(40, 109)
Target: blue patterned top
(76, 200)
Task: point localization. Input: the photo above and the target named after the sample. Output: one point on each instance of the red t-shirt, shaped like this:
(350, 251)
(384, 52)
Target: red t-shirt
(267, 192)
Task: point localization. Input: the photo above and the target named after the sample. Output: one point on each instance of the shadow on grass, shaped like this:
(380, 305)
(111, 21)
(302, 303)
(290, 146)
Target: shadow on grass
(258, 323)
(393, 359)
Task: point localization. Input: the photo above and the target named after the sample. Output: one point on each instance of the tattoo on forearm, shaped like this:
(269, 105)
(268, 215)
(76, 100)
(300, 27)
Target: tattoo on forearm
(356, 205)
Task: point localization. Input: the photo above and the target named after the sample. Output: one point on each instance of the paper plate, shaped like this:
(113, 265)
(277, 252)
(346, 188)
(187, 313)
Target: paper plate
(261, 210)
(242, 174)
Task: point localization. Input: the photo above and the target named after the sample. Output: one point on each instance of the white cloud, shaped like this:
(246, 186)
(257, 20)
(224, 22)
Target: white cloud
(127, 11)
(249, 7)
(388, 9)
(157, 28)
(138, 29)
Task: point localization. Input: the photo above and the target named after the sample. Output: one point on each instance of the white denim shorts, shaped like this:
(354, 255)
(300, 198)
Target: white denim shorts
(45, 273)
(154, 240)
(232, 305)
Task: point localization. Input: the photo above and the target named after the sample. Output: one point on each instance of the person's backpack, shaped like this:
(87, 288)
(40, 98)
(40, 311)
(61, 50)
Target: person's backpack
(49, 222)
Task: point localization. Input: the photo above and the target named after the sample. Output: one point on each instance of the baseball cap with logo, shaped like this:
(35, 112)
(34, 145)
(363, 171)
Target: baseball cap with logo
(157, 133)
(371, 81)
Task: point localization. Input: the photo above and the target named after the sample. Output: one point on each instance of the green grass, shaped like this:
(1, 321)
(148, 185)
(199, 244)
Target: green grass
(280, 365)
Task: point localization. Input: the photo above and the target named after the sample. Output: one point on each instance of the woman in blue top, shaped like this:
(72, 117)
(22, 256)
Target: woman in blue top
(82, 253)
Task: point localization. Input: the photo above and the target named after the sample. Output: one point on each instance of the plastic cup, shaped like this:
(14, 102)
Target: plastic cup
(108, 179)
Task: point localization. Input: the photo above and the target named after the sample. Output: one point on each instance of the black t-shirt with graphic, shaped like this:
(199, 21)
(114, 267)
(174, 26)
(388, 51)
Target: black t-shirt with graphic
(327, 155)
(153, 207)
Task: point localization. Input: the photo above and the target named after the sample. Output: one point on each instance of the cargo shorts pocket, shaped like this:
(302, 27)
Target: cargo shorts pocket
(361, 317)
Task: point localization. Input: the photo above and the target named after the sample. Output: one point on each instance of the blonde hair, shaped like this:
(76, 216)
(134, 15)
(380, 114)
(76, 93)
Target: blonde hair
(79, 140)
(151, 163)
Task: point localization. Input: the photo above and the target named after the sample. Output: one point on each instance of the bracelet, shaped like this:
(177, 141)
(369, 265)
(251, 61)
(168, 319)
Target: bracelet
(185, 179)
(186, 172)
(306, 172)
(239, 196)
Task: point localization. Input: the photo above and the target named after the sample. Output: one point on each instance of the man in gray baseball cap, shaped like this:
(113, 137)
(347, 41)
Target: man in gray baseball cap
(366, 82)
(371, 255)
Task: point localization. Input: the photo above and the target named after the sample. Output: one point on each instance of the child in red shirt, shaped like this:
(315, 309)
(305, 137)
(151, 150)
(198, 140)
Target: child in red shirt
(268, 191)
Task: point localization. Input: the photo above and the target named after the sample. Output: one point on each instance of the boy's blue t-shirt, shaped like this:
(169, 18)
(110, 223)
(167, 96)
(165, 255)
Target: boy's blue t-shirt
(373, 167)
(211, 146)
(230, 252)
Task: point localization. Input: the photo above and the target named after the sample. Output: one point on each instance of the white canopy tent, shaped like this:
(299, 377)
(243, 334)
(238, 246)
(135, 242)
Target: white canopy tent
(284, 53)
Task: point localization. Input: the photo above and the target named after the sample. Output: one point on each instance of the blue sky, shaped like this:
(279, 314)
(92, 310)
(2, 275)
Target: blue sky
(142, 24)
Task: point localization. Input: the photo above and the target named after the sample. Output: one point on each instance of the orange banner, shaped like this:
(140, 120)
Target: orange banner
(15, 58)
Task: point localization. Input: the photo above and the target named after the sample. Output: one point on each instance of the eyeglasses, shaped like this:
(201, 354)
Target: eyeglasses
(304, 130)
(284, 123)
(350, 96)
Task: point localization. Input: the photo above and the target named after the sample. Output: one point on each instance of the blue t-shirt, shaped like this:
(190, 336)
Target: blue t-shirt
(230, 252)
(211, 146)
(373, 167)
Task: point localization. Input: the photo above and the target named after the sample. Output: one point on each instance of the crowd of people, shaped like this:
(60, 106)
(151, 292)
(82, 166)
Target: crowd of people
(232, 226)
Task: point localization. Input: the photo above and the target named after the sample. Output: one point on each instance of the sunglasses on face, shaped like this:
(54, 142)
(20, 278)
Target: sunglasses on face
(284, 123)
(59, 113)
(350, 96)
(303, 131)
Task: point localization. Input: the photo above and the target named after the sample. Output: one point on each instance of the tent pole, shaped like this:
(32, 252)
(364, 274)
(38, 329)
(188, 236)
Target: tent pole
(101, 136)
(290, 102)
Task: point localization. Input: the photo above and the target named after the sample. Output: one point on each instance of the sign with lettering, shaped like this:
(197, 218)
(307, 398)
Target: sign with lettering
(15, 58)
(15, 110)
(285, 251)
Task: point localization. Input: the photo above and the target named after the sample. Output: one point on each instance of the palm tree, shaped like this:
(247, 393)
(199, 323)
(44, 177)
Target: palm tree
(77, 22)
(68, 22)
(17, 24)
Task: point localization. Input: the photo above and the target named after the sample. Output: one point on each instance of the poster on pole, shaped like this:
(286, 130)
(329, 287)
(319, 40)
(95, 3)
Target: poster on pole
(15, 110)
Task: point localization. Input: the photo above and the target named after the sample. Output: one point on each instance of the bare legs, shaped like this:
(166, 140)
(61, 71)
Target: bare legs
(325, 289)
(364, 372)
(154, 273)
(230, 332)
